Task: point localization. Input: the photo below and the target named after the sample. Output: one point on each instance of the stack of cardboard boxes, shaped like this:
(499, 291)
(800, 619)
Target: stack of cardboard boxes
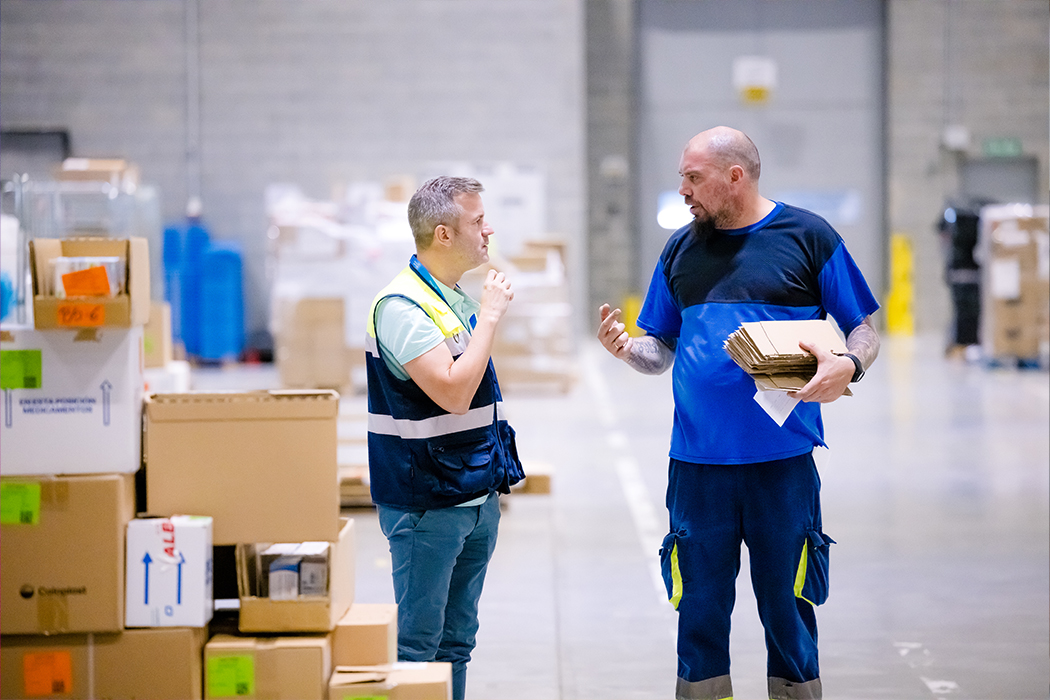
(263, 466)
(327, 262)
(1015, 262)
(164, 373)
(114, 502)
(71, 435)
(534, 347)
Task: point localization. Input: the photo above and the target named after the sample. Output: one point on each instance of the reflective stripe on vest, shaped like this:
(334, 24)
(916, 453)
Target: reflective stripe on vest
(435, 426)
(409, 285)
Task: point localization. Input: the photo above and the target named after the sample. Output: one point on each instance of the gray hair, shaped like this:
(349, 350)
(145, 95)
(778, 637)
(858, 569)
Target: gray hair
(434, 204)
(737, 148)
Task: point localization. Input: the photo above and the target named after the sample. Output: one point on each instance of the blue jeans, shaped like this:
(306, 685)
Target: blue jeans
(440, 557)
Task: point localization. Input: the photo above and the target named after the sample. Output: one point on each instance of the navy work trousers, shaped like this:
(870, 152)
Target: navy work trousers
(773, 508)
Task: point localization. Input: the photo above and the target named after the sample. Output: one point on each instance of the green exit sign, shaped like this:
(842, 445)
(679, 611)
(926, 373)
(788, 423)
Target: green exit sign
(1002, 147)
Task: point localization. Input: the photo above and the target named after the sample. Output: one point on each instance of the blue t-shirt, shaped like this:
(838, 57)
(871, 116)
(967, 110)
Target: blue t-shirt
(790, 265)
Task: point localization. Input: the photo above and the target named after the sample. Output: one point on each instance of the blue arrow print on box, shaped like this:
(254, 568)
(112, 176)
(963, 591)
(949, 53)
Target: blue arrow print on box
(146, 561)
(106, 387)
(178, 589)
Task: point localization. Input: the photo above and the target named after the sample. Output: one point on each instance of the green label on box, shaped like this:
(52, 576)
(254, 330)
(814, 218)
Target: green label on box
(20, 503)
(231, 676)
(21, 369)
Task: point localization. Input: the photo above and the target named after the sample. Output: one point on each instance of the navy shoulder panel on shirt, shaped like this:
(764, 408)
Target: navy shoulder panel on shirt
(777, 261)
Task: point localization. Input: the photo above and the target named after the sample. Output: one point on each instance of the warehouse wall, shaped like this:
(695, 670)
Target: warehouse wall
(233, 96)
(981, 65)
(612, 238)
(332, 90)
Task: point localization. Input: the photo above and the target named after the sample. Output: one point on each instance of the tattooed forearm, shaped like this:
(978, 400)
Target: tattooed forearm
(863, 341)
(650, 355)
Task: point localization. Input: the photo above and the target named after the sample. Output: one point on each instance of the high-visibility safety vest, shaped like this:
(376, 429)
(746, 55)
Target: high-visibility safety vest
(420, 456)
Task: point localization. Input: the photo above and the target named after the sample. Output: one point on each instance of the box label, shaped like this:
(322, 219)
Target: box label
(231, 676)
(21, 369)
(92, 282)
(20, 503)
(78, 314)
(48, 673)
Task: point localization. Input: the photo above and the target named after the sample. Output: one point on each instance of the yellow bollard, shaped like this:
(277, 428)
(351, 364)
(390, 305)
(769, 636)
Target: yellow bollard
(900, 319)
(632, 306)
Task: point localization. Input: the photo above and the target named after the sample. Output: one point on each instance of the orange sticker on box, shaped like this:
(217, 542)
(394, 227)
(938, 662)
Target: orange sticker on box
(47, 673)
(75, 313)
(92, 282)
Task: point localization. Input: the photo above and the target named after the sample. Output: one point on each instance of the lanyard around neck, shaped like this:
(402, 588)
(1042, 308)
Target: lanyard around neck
(430, 281)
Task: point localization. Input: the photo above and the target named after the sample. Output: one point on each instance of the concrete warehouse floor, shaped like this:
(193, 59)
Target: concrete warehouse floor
(937, 490)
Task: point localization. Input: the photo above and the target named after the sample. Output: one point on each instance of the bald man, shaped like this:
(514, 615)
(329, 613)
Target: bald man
(735, 475)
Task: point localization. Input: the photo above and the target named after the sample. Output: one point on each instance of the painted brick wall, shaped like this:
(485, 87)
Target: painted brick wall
(983, 65)
(327, 91)
(612, 240)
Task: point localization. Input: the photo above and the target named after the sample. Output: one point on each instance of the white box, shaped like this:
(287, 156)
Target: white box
(72, 400)
(173, 378)
(313, 568)
(284, 578)
(169, 572)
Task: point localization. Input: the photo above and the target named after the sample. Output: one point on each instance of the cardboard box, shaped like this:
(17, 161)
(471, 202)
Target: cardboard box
(262, 464)
(1014, 248)
(72, 400)
(366, 635)
(153, 664)
(62, 540)
(157, 341)
(311, 347)
(176, 377)
(129, 308)
(169, 572)
(288, 570)
(305, 613)
(116, 171)
(274, 668)
(538, 478)
(399, 681)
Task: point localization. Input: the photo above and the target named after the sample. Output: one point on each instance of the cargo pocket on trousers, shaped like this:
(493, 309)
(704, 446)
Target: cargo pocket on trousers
(669, 568)
(811, 579)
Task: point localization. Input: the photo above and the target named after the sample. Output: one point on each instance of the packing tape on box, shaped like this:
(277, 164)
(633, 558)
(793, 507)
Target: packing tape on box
(52, 610)
(267, 673)
(54, 494)
(91, 664)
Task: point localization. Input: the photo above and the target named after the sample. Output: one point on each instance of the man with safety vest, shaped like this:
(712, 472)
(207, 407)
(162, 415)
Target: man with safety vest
(440, 450)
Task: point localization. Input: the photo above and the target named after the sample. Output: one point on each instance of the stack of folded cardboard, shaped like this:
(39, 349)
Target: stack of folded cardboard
(769, 351)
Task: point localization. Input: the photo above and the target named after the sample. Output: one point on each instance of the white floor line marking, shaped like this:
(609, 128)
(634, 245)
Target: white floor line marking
(646, 522)
(917, 656)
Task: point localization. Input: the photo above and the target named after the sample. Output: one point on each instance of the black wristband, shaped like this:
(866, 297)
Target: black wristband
(858, 373)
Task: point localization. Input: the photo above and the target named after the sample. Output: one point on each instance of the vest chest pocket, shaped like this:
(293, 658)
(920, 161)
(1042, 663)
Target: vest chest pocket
(461, 463)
